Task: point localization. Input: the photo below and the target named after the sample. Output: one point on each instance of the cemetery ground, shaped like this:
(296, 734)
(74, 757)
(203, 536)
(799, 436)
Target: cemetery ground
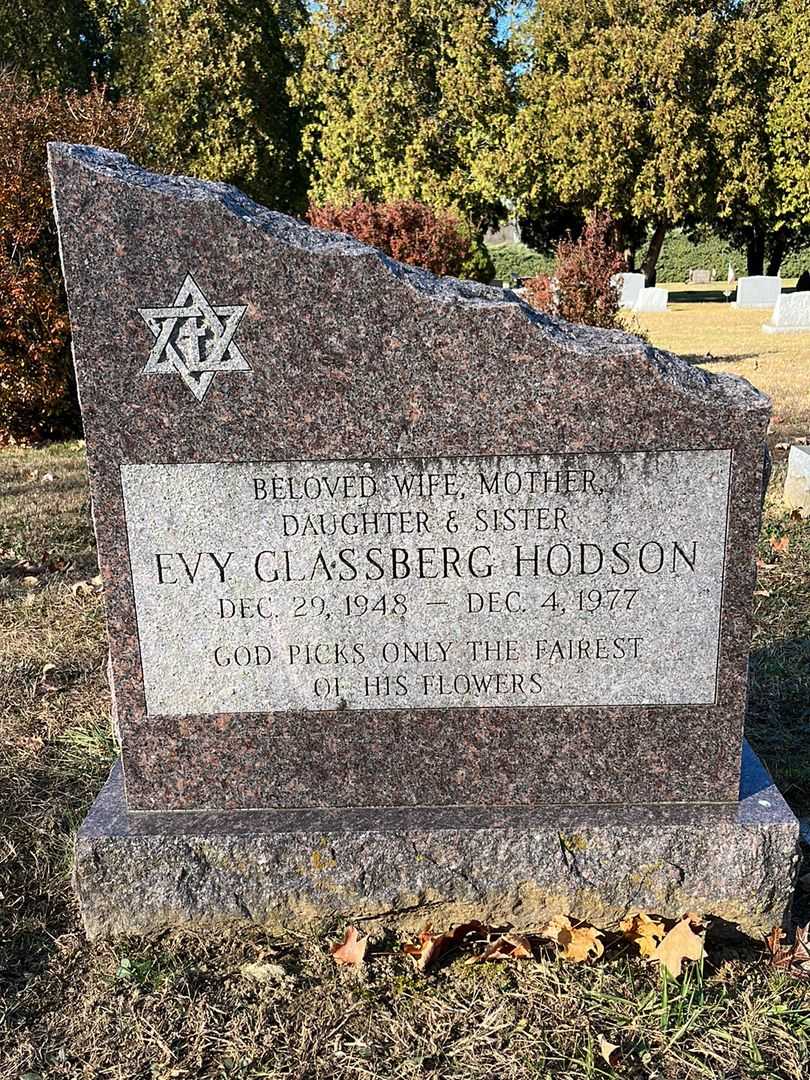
(700, 321)
(246, 1004)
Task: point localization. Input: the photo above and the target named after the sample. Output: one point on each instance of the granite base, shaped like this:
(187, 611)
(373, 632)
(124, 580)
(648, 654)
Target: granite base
(138, 872)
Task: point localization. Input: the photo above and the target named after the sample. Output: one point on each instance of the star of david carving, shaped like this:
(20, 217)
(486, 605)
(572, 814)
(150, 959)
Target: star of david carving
(193, 339)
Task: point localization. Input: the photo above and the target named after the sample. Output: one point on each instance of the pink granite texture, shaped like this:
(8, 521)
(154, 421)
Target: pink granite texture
(354, 355)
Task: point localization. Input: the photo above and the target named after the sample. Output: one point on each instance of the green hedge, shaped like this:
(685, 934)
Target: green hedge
(518, 260)
(795, 263)
(678, 256)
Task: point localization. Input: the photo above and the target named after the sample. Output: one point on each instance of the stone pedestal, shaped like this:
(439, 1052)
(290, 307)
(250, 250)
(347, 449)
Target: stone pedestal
(408, 866)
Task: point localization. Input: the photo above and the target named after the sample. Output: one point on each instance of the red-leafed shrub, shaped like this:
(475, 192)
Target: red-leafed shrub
(409, 231)
(37, 396)
(581, 289)
(541, 293)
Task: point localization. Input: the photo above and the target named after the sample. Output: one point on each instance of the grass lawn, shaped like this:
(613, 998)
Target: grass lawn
(245, 1005)
(703, 327)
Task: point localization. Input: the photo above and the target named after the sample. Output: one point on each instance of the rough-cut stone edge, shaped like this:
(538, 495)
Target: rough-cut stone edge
(733, 391)
(149, 872)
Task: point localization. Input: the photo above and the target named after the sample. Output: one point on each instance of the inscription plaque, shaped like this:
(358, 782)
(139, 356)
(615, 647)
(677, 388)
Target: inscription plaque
(574, 579)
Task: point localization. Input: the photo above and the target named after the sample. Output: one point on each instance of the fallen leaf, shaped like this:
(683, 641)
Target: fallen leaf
(46, 478)
(584, 943)
(53, 565)
(610, 1052)
(49, 681)
(505, 947)
(681, 943)
(794, 958)
(644, 932)
(351, 950)
(781, 545)
(85, 588)
(576, 944)
(29, 582)
(431, 947)
(23, 568)
(796, 515)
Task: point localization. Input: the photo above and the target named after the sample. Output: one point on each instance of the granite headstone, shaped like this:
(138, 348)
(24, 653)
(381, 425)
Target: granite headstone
(791, 314)
(797, 480)
(415, 596)
(651, 299)
(758, 291)
(629, 285)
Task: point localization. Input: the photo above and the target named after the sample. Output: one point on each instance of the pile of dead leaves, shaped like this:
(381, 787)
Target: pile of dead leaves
(667, 942)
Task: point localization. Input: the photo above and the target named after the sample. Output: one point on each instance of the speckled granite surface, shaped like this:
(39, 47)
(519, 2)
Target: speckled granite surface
(353, 355)
(141, 872)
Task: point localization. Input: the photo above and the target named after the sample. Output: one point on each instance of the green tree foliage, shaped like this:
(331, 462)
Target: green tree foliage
(615, 96)
(212, 80)
(750, 210)
(790, 111)
(54, 44)
(408, 99)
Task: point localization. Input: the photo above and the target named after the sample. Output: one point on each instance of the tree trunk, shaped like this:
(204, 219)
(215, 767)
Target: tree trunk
(778, 249)
(755, 254)
(653, 251)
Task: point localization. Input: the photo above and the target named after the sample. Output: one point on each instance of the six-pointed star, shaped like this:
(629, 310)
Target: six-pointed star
(193, 339)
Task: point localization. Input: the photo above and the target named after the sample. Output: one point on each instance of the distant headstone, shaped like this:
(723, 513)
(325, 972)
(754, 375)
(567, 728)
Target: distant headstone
(415, 596)
(700, 277)
(629, 286)
(791, 314)
(803, 284)
(507, 232)
(652, 299)
(797, 480)
(759, 291)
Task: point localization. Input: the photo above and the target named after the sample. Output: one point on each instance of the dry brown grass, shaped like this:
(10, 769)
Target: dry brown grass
(703, 327)
(181, 1006)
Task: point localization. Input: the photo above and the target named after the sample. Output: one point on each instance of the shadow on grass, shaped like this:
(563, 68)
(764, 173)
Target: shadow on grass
(703, 296)
(43, 798)
(708, 358)
(778, 721)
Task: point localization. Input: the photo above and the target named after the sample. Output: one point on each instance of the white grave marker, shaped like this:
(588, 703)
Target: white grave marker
(651, 300)
(629, 286)
(759, 291)
(791, 314)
